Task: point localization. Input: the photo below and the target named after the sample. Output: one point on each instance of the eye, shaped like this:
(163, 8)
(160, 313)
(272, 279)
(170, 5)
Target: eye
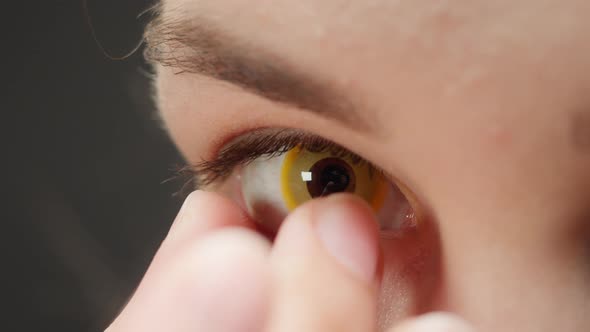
(269, 172)
(273, 186)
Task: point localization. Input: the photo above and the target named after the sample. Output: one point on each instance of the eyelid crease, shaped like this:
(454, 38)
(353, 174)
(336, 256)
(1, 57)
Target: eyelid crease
(268, 143)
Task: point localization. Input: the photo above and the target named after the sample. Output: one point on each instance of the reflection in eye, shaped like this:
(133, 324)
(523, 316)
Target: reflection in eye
(271, 172)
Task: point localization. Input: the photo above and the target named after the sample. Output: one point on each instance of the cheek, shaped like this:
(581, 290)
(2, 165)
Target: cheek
(580, 131)
(411, 280)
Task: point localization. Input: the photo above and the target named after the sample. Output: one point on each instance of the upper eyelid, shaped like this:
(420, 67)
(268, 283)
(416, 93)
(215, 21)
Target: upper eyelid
(264, 142)
(226, 156)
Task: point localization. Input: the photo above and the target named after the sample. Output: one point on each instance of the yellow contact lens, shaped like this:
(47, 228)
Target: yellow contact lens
(306, 175)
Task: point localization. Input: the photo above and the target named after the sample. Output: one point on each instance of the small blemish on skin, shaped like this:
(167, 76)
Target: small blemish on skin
(580, 130)
(501, 137)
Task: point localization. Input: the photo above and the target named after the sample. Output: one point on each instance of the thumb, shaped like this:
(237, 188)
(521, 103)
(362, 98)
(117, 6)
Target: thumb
(323, 267)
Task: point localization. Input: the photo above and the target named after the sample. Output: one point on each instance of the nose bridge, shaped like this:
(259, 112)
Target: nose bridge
(506, 274)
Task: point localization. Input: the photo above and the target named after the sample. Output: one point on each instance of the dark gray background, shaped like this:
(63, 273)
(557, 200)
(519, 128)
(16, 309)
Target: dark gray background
(86, 161)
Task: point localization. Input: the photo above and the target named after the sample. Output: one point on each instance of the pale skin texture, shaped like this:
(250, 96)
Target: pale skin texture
(480, 108)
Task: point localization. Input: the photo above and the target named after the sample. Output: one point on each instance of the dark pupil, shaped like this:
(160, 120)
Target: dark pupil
(329, 176)
(334, 178)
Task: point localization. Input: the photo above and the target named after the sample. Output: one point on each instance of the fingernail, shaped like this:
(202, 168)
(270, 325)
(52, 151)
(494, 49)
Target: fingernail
(436, 321)
(348, 231)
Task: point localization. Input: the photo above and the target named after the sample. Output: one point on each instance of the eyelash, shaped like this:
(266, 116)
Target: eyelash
(267, 143)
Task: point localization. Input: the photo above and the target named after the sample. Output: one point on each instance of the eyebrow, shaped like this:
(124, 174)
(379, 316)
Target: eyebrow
(196, 46)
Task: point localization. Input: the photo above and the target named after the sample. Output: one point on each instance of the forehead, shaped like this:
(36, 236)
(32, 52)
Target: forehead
(352, 33)
(421, 60)
(391, 25)
(446, 45)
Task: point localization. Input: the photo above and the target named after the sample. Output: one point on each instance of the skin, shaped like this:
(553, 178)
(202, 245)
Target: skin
(481, 109)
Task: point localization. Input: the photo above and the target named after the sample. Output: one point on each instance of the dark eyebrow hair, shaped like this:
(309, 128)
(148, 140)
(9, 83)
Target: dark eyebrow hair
(194, 45)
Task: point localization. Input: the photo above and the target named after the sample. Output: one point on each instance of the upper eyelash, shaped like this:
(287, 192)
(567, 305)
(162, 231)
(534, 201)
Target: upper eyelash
(269, 143)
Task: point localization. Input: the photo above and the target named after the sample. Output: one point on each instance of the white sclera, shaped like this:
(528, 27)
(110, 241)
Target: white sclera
(261, 191)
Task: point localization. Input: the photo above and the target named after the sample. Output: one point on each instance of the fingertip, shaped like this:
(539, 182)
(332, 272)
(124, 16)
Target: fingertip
(347, 229)
(203, 206)
(203, 211)
(343, 225)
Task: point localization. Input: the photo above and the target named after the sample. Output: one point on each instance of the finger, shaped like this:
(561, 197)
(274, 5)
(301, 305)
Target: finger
(219, 283)
(434, 322)
(323, 267)
(201, 212)
(184, 268)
